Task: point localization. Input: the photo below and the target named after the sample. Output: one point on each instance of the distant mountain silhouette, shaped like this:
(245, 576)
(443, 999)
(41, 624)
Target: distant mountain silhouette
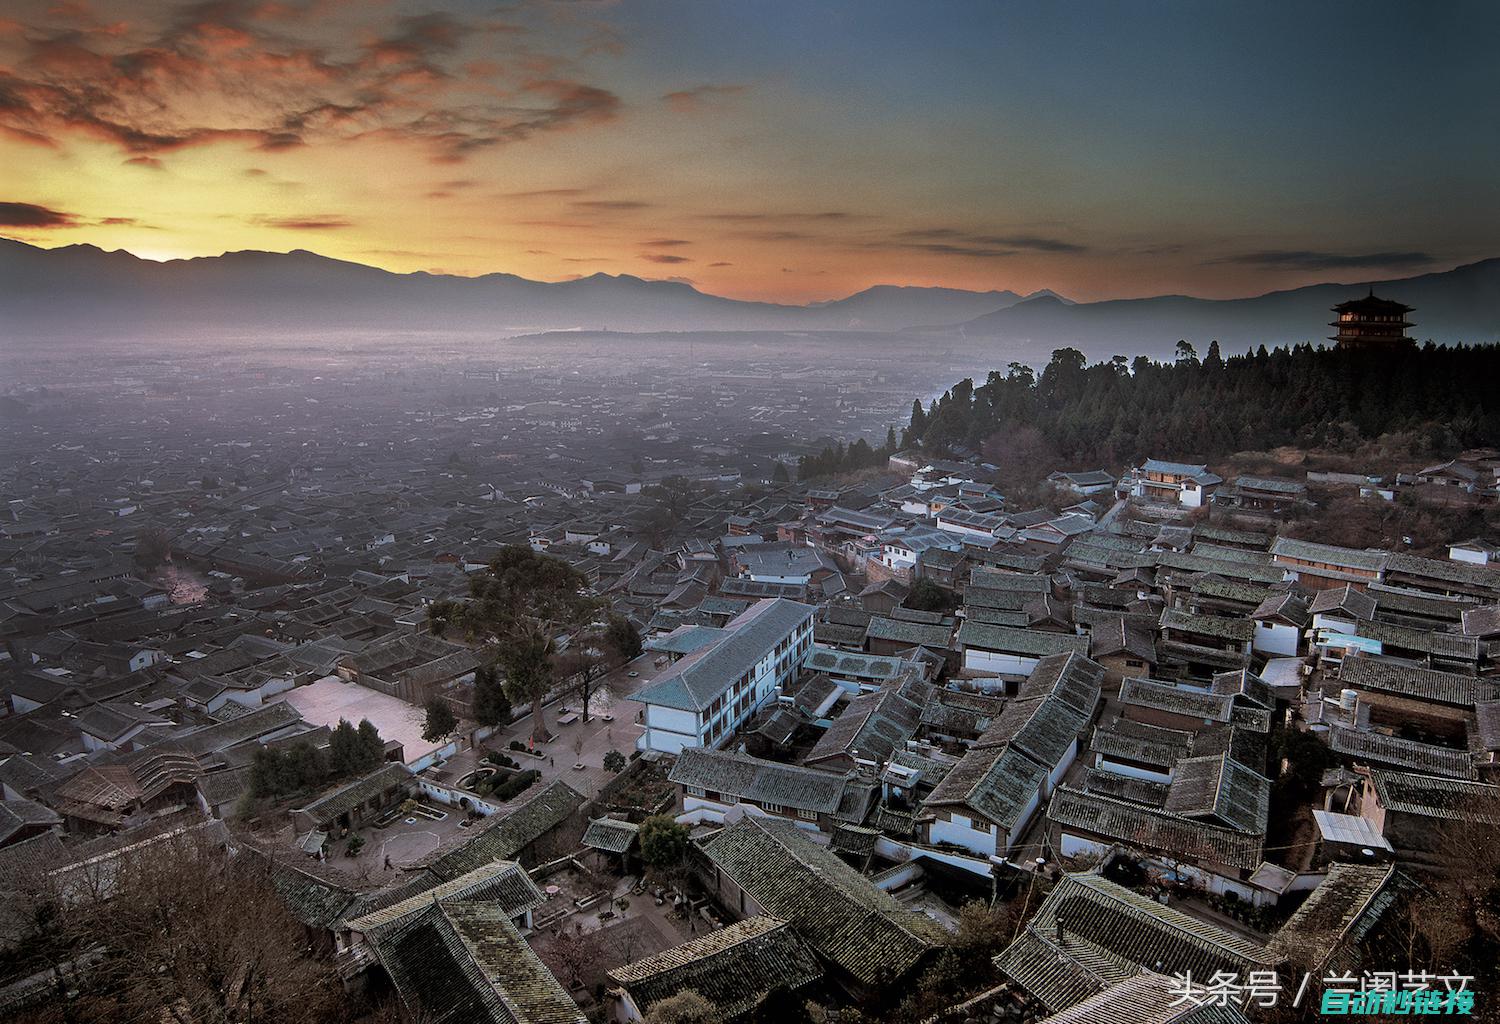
(81, 291)
(81, 288)
(1459, 305)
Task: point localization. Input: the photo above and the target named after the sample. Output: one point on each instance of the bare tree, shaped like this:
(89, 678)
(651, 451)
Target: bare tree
(189, 933)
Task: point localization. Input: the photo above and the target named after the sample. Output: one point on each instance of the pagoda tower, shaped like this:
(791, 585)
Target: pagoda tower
(1371, 324)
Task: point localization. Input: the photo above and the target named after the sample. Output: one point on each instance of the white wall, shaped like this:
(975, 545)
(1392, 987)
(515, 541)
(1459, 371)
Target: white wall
(979, 660)
(1130, 771)
(975, 835)
(1275, 638)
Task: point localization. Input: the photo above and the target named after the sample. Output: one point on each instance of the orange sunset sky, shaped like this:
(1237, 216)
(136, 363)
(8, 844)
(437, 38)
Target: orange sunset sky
(791, 152)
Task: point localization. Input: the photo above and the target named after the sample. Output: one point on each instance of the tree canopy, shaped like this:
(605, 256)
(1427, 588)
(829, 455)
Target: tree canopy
(1117, 411)
(517, 608)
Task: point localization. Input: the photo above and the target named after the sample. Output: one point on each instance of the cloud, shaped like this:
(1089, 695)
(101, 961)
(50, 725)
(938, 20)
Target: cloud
(1298, 259)
(29, 215)
(662, 257)
(819, 215)
(609, 204)
(953, 242)
(543, 192)
(692, 100)
(666, 243)
(315, 222)
(251, 73)
(721, 263)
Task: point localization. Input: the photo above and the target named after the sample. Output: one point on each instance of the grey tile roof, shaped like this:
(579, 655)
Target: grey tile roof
(1028, 642)
(1220, 788)
(1431, 796)
(850, 923)
(1159, 696)
(504, 836)
(503, 882)
(758, 780)
(1090, 933)
(1330, 554)
(996, 783)
(350, 795)
(1384, 675)
(464, 963)
(733, 968)
(1330, 928)
(1397, 752)
(1152, 831)
(694, 682)
(610, 835)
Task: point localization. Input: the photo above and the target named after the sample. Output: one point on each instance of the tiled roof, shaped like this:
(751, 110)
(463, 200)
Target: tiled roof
(1149, 693)
(1011, 640)
(733, 968)
(350, 795)
(504, 836)
(1146, 998)
(1091, 933)
(611, 835)
(1221, 788)
(1330, 554)
(1329, 930)
(996, 783)
(933, 635)
(1217, 626)
(503, 882)
(1398, 752)
(464, 963)
(852, 924)
(1152, 831)
(760, 781)
(1431, 796)
(1405, 680)
(694, 682)
(1042, 728)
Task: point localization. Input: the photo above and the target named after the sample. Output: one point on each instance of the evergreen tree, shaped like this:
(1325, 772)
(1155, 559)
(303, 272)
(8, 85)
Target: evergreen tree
(438, 723)
(491, 705)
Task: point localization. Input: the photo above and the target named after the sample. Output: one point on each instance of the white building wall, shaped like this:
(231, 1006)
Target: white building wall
(979, 660)
(974, 835)
(1275, 638)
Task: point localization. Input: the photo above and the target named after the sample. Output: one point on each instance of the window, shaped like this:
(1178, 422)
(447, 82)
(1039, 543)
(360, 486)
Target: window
(806, 815)
(697, 791)
(773, 808)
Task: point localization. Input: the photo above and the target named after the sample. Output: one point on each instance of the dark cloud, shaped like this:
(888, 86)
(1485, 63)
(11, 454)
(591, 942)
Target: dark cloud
(318, 222)
(690, 100)
(772, 236)
(543, 192)
(609, 204)
(1298, 259)
(721, 263)
(662, 257)
(666, 243)
(951, 241)
(155, 87)
(29, 215)
(819, 215)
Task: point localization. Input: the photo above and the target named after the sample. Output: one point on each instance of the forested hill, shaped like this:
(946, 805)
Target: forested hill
(1193, 409)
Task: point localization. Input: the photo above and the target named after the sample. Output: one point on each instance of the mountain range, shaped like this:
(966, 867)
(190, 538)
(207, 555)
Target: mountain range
(81, 291)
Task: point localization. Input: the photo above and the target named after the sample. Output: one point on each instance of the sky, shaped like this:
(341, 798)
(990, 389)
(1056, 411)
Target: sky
(791, 152)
